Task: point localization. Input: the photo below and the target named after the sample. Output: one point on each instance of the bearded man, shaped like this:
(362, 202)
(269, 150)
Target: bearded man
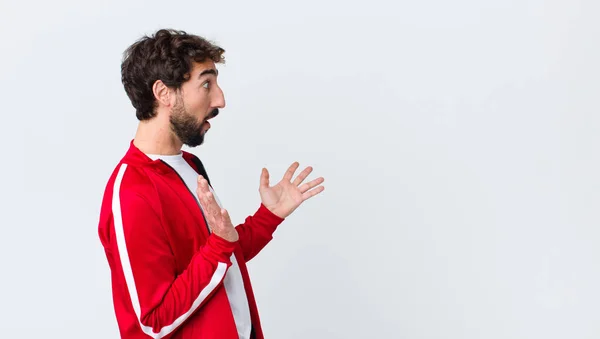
(178, 265)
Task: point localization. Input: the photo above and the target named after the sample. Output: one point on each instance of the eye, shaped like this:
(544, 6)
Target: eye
(206, 84)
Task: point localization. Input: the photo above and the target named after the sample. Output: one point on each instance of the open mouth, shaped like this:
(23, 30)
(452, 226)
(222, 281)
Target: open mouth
(213, 114)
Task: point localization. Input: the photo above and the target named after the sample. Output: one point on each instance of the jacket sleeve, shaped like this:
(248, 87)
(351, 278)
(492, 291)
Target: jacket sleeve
(256, 231)
(162, 300)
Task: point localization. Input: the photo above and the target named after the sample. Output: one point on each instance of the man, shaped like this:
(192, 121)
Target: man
(178, 265)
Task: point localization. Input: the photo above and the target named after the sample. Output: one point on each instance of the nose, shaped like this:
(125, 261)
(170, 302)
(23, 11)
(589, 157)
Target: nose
(219, 98)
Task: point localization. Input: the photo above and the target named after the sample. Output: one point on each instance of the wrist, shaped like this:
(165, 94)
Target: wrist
(231, 236)
(276, 210)
(218, 249)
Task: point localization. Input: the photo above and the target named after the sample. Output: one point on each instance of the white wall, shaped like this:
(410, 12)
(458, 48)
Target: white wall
(458, 140)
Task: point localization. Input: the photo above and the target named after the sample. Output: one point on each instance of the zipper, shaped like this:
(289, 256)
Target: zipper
(192, 193)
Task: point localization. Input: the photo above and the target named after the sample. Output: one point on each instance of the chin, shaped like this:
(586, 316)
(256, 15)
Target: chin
(193, 144)
(195, 141)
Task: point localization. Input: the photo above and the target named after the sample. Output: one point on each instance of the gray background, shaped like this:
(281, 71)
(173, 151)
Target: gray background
(458, 140)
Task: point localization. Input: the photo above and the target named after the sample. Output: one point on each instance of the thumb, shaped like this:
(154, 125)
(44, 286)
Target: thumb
(264, 178)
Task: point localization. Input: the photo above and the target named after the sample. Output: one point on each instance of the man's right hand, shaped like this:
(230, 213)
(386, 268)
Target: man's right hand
(217, 217)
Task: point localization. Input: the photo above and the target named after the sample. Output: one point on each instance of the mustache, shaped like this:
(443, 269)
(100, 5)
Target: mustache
(213, 113)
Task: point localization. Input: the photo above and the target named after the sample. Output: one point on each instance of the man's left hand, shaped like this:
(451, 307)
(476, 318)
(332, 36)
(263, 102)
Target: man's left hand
(283, 198)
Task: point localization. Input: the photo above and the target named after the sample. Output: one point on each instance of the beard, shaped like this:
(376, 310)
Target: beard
(185, 125)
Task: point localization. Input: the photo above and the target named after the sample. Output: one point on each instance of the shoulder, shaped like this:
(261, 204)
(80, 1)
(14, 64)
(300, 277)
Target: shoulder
(128, 192)
(128, 181)
(131, 179)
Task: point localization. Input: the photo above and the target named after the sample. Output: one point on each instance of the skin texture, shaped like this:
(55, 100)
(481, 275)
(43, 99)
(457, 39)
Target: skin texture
(183, 118)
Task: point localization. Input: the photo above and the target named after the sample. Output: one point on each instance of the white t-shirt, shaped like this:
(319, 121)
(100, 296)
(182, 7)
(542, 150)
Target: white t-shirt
(234, 285)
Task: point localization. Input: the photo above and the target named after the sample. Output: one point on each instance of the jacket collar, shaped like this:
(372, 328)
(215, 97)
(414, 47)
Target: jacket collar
(136, 157)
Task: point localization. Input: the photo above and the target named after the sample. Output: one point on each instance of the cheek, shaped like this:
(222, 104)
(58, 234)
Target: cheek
(198, 106)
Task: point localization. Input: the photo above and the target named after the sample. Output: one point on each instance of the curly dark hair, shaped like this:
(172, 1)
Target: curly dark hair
(167, 55)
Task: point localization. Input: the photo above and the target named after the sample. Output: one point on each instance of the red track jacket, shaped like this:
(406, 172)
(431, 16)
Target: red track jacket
(166, 268)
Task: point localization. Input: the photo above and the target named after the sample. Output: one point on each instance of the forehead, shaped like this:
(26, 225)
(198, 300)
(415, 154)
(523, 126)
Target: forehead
(199, 68)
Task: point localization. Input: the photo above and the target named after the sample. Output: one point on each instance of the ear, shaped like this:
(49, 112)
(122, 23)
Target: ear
(162, 93)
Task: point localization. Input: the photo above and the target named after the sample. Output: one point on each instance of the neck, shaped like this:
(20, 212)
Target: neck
(154, 136)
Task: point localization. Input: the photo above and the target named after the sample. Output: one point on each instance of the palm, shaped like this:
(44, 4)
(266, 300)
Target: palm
(285, 196)
(281, 193)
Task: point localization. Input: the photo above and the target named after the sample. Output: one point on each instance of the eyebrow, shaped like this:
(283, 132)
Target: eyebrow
(208, 71)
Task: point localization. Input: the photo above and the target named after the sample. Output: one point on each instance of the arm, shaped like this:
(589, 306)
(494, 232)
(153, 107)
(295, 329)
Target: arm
(256, 231)
(161, 299)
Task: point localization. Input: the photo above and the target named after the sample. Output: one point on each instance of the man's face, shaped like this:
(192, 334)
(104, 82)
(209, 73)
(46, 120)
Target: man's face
(199, 100)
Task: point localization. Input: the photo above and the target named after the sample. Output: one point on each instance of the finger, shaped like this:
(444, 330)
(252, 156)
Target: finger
(305, 187)
(300, 178)
(212, 206)
(209, 206)
(312, 193)
(290, 172)
(225, 216)
(264, 178)
(205, 204)
(201, 191)
(202, 184)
